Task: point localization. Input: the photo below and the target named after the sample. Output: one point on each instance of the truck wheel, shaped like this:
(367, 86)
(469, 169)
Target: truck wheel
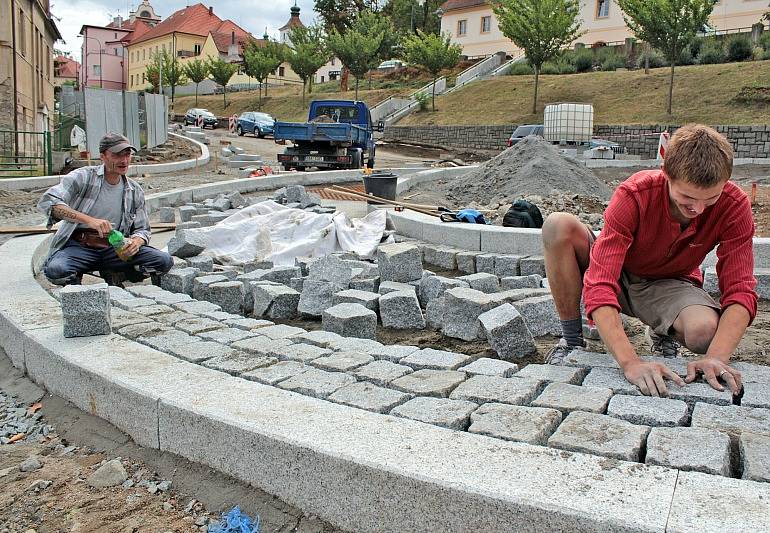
(355, 159)
(370, 163)
(239, 130)
(301, 169)
(286, 167)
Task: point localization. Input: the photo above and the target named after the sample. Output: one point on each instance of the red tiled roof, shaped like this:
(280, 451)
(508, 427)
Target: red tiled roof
(140, 27)
(195, 20)
(66, 67)
(293, 23)
(223, 40)
(459, 4)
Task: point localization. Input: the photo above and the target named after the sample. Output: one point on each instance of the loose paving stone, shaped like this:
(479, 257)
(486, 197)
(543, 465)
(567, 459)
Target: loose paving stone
(438, 383)
(121, 318)
(507, 333)
(399, 262)
(168, 298)
(432, 287)
(434, 313)
(540, 315)
(188, 242)
(354, 296)
(196, 307)
(172, 318)
(582, 358)
(751, 373)
(732, 419)
(226, 336)
(134, 331)
(201, 285)
(303, 353)
(198, 325)
(85, 310)
(237, 362)
(567, 398)
(298, 283)
(755, 456)
(462, 309)
(610, 378)
(274, 374)
(282, 274)
(393, 352)
(485, 263)
(532, 265)
(247, 323)
(229, 295)
(756, 395)
(435, 360)
(699, 391)
(353, 344)
(219, 315)
(143, 291)
(280, 331)
(369, 397)
(179, 280)
(552, 373)
(685, 448)
(520, 282)
(366, 284)
(204, 263)
(466, 262)
(452, 414)
(165, 341)
(490, 367)
(342, 361)
(117, 293)
(317, 296)
(381, 372)
(442, 257)
(483, 389)
(401, 310)
(600, 435)
(649, 411)
(275, 301)
(323, 339)
(486, 283)
(133, 303)
(330, 269)
(533, 425)
(350, 320)
(186, 212)
(507, 265)
(317, 383)
(395, 286)
(196, 352)
(153, 310)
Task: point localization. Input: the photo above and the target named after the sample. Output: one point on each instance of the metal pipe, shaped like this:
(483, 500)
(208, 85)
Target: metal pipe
(15, 82)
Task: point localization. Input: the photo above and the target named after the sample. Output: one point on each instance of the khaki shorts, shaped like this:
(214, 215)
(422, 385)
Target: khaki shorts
(657, 302)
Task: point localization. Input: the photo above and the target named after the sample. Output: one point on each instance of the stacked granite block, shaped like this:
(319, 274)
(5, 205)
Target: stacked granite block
(85, 310)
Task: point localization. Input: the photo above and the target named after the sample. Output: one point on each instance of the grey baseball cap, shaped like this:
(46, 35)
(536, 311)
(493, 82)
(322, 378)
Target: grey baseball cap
(114, 142)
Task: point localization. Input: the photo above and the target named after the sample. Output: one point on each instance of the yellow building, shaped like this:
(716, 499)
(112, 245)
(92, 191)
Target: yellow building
(473, 25)
(27, 37)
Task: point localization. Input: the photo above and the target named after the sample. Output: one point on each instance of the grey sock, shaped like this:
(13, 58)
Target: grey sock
(573, 331)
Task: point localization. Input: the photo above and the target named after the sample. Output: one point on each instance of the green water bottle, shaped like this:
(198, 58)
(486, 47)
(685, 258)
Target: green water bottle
(119, 243)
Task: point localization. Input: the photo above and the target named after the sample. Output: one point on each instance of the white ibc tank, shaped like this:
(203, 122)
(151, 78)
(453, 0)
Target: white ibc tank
(568, 122)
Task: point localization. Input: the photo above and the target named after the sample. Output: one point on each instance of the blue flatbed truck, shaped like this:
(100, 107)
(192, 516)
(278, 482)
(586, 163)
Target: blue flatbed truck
(337, 135)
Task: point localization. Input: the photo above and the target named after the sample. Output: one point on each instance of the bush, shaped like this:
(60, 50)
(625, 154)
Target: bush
(565, 67)
(613, 62)
(739, 48)
(766, 54)
(423, 99)
(656, 59)
(711, 52)
(549, 68)
(583, 60)
(685, 57)
(757, 53)
(764, 41)
(521, 69)
(695, 46)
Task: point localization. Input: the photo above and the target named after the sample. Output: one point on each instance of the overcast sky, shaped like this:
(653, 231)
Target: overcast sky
(252, 15)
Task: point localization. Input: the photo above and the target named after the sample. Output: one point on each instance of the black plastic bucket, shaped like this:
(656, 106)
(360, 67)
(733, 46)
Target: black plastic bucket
(382, 184)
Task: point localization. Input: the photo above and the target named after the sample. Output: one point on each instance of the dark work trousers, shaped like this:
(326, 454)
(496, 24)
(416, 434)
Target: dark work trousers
(66, 266)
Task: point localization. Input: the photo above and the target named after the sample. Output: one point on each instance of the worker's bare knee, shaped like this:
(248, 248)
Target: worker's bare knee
(560, 229)
(699, 331)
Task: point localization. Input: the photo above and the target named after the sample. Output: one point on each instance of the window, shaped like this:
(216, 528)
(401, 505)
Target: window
(144, 80)
(462, 27)
(22, 33)
(144, 54)
(322, 79)
(602, 8)
(132, 80)
(281, 72)
(115, 50)
(97, 70)
(116, 35)
(164, 48)
(486, 24)
(197, 49)
(333, 59)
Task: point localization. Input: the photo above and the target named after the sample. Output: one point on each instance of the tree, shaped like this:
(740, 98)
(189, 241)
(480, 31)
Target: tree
(197, 71)
(358, 49)
(309, 53)
(668, 25)
(153, 74)
(542, 28)
(173, 73)
(408, 16)
(221, 71)
(260, 60)
(339, 15)
(432, 52)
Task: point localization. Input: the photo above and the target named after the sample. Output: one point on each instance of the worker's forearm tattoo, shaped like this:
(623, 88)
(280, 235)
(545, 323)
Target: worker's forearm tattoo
(65, 213)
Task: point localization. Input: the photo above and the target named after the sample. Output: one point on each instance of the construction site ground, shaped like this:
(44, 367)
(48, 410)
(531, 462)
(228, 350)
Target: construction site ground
(198, 493)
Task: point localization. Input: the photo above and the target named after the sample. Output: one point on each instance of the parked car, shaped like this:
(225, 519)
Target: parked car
(191, 117)
(259, 124)
(610, 145)
(391, 64)
(522, 131)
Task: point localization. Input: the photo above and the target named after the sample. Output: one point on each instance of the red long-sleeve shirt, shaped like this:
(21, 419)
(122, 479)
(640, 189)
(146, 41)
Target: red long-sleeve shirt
(641, 237)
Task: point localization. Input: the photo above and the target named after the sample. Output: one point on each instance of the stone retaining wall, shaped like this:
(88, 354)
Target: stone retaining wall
(748, 141)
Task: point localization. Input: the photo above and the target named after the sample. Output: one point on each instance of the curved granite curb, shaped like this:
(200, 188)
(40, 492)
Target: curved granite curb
(359, 470)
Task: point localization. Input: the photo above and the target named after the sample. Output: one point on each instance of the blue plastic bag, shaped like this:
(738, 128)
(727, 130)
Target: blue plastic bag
(235, 522)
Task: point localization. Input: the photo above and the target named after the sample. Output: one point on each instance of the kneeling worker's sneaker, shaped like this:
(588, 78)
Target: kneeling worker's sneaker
(661, 345)
(559, 352)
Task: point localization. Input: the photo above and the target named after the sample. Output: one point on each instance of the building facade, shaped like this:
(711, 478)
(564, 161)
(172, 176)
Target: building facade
(27, 37)
(65, 71)
(472, 23)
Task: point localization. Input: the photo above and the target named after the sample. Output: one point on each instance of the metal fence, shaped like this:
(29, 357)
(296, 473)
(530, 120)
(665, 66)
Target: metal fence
(25, 153)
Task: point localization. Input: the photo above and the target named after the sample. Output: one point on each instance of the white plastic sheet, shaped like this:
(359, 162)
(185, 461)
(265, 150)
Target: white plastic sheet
(270, 231)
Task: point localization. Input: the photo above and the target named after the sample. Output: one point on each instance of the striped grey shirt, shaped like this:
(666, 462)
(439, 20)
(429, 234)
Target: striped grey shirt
(79, 190)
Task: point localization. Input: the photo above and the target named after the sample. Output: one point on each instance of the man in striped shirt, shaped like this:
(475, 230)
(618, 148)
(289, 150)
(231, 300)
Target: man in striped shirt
(659, 227)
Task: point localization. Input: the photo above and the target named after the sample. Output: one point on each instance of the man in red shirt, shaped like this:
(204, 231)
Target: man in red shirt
(659, 226)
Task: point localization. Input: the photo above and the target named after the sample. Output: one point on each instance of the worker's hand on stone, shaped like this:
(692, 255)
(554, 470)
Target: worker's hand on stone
(103, 227)
(651, 377)
(134, 243)
(713, 370)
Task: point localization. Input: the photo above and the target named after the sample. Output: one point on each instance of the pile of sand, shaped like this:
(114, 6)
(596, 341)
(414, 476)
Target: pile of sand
(533, 166)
